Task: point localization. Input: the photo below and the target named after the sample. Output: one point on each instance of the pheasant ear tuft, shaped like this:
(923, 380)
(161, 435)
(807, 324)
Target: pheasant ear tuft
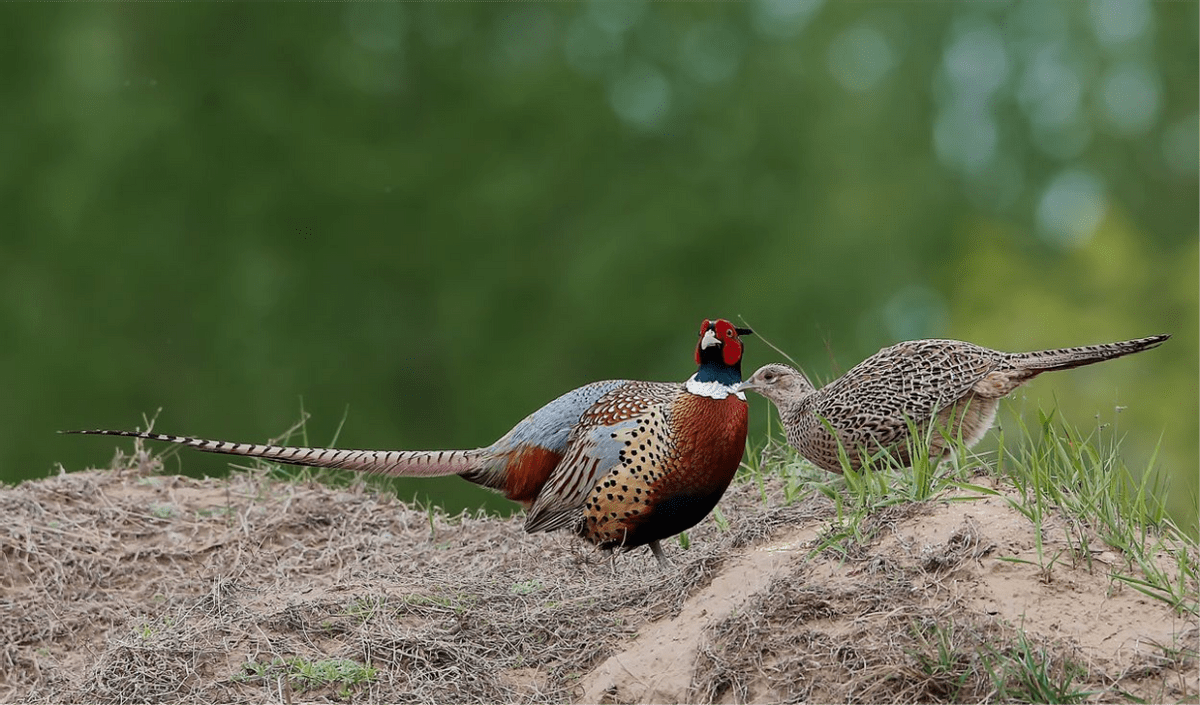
(744, 331)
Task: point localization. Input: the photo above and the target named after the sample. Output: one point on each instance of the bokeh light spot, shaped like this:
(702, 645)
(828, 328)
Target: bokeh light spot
(965, 137)
(616, 16)
(1131, 98)
(710, 52)
(1119, 21)
(859, 57)
(1072, 207)
(1050, 90)
(976, 61)
(784, 18)
(641, 96)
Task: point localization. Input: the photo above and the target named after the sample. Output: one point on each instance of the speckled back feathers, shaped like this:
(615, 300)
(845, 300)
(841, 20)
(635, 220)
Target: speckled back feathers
(870, 407)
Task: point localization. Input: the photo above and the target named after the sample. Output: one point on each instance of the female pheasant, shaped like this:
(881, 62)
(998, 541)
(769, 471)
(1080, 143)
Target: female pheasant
(621, 463)
(955, 385)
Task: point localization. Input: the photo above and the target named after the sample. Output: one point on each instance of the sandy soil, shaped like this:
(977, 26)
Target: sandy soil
(130, 586)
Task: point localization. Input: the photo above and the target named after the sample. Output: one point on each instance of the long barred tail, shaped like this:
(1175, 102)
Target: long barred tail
(401, 463)
(1066, 358)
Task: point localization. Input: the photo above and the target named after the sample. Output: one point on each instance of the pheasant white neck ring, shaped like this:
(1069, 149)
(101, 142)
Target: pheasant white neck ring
(713, 389)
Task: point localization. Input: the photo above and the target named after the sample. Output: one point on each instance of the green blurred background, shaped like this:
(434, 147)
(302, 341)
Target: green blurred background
(443, 215)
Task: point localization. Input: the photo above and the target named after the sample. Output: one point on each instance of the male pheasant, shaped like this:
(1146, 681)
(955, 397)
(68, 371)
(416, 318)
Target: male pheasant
(621, 463)
(956, 385)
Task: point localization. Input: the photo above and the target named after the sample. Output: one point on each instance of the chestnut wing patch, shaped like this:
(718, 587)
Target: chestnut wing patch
(603, 438)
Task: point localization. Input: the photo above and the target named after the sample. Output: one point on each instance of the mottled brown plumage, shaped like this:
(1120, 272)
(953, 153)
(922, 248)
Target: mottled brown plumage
(954, 384)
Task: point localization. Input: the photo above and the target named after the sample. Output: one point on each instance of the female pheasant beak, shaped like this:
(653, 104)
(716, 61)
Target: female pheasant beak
(759, 381)
(755, 383)
(748, 384)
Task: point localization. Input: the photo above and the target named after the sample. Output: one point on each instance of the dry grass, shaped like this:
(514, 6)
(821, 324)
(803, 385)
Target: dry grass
(128, 586)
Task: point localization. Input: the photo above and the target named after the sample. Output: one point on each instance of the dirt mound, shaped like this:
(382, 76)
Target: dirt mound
(122, 586)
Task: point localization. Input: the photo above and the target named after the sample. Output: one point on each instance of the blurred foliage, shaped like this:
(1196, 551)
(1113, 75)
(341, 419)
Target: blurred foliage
(445, 214)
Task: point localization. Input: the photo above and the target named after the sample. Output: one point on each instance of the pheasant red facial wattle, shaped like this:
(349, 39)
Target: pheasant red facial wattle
(620, 463)
(727, 335)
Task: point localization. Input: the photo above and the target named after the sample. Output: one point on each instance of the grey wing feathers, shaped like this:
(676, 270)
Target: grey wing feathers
(594, 450)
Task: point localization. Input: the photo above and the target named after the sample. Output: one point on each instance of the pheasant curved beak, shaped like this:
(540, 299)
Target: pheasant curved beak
(710, 339)
(743, 386)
